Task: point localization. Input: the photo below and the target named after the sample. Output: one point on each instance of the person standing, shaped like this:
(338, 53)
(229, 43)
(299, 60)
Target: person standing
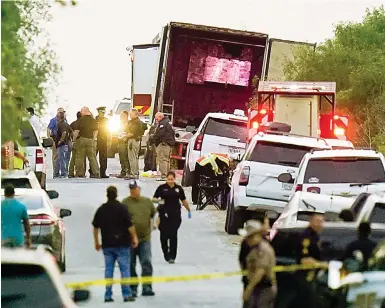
(141, 210)
(88, 130)
(164, 139)
(261, 280)
(35, 121)
(123, 146)
(362, 248)
(61, 144)
(246, 248)
(302, 288)
(52, 132)
(75, 137)
(101, 146)
(168, 196)
(13, 217)
(118, 233)
(134, 135)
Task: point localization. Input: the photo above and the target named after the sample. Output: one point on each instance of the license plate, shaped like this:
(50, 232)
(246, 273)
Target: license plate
(286, 186)
(235, 150)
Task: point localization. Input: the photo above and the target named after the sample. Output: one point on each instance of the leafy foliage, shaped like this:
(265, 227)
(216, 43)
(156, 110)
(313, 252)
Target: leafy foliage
(355, 60)
(26, 70)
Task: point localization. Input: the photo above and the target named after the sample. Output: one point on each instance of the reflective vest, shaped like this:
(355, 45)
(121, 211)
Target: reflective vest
(211, 159)
(18, 163)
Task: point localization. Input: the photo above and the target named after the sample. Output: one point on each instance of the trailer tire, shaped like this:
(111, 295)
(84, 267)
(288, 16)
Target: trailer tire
(234, 219)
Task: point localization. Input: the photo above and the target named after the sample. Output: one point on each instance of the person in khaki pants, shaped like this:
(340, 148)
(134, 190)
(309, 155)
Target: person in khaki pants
(85, 145)
(164, 139)
(134, 135)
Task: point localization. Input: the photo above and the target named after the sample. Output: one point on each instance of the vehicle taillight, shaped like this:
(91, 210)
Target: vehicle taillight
(339, 131)
(298, 187)
(39, 156)
(244, 178)
(262, 111)
(198, 143)
(40, 220)
(255, 125)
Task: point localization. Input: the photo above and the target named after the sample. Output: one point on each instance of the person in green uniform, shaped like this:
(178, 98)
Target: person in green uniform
(123, 145)
(88, 130)
(141, 210)
(101, 146)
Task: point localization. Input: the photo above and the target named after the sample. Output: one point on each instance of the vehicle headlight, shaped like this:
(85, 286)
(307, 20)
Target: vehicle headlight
(113, 125)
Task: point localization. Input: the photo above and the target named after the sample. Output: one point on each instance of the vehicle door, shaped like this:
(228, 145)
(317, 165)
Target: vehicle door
(344, 176)
(227, 136)
(267, 161)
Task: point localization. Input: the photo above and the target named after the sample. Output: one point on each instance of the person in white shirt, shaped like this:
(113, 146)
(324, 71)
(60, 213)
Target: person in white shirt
(35, 121)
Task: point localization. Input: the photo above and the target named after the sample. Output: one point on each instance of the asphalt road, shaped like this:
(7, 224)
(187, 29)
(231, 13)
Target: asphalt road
(203, 248)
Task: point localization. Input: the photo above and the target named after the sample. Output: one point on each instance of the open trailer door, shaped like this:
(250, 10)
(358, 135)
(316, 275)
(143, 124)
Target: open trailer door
(278, 52)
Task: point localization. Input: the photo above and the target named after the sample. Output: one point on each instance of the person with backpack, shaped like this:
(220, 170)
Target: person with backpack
(135, 131)
(61, 142)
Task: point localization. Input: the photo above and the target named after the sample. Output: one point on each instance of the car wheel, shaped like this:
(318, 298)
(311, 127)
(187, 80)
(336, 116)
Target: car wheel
(188, 176)
(62, 265)
(234, 219)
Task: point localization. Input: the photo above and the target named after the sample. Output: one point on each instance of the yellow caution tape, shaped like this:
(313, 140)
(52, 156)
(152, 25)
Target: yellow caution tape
(148, 280)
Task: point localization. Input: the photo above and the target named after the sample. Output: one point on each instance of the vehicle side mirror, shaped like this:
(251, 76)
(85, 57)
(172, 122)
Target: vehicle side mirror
(65, 213)
(346, 215)
(190, 129)
(80, 295)
(285, 178)
(236, 157)
(47, 142)
(52, 194)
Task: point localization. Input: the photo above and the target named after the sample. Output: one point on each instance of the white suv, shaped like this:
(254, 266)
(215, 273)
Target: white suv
(339, 173)
(255, 186)
(218, 133)
(35, 152)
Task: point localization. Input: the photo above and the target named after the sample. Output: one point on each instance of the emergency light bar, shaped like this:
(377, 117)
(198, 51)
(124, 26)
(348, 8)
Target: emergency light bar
(305, 87)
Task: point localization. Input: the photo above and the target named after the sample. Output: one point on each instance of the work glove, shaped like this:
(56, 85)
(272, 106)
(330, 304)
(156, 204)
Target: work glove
(189, 215)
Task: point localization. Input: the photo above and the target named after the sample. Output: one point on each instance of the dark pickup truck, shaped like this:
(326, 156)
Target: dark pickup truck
(333, 241)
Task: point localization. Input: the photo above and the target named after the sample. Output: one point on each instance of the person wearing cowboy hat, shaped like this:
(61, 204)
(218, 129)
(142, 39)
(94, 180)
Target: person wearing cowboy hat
(262, 284)
(245, 249)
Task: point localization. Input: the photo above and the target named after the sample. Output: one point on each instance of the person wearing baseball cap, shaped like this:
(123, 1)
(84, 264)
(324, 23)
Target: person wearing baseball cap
(261, 289)
(142, 211)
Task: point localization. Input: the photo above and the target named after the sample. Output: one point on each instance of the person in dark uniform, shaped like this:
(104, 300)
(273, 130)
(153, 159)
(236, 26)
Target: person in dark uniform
(362, 248)
(308, 252)
(168, 196)
(101, 146)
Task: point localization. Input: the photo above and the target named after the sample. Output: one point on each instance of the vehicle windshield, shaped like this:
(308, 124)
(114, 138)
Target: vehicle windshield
(378, 213)
(30, 202)
(227, 128)
(345, 170)
(28, 135)
(277, 153)
(123, 106)
(27, 285)
(16, 183)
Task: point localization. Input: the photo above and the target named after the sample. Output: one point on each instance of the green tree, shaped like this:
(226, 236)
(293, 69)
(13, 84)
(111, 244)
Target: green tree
(26, 70)
(355, 60)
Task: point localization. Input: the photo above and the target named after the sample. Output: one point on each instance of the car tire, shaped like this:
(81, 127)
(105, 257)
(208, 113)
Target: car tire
(234, 219)
(188, 176)
(62, 265)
